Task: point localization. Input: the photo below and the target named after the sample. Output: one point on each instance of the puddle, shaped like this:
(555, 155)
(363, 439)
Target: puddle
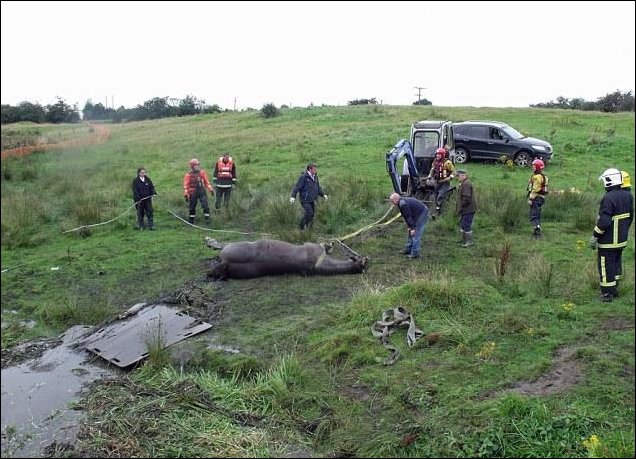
(36, 396)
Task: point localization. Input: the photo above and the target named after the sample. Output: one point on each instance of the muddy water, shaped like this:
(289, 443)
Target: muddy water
(36, 396)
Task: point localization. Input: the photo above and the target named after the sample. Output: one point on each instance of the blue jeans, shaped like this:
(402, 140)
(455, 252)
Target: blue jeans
(535, 211)
(413, 242)
(466, 222)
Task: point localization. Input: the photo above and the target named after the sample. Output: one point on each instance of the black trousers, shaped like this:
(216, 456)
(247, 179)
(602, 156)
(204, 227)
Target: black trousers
(609, 265)
(203, 197)
(144, 208)
(308, 217)
(224, 194)
(441, 190)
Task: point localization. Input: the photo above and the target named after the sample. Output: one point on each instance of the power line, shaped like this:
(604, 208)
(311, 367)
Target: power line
(419, 92)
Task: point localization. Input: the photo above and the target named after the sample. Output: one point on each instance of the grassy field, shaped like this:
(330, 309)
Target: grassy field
(508, 314)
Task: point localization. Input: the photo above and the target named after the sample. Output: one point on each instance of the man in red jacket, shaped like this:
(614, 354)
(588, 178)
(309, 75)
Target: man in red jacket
(195, 182)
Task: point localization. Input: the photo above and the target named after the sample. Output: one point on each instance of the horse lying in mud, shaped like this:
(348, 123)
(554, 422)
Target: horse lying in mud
(266, 257)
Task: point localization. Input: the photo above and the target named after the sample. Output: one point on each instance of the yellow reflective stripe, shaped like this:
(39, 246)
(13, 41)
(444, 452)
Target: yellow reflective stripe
(613, 246)
(616, 219)
(608, 284)
(603, 273)
(598, 230)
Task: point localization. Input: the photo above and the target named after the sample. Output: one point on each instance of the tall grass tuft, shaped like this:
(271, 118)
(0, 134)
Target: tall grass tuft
(23, 213)
(155, 340)
(505, 206)
(502, 263)
(539, 274)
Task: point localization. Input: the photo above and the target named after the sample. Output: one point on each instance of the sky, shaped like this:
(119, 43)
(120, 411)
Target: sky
(495, 54)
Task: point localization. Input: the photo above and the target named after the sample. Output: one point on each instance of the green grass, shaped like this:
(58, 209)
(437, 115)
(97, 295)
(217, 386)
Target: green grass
(309, 376)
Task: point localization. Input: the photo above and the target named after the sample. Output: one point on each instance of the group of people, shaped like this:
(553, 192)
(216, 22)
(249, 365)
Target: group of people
(610, 234)
(615, 216)
(196, 184)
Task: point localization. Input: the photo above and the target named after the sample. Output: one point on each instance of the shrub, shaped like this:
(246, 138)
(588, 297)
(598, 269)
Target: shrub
(270, 111)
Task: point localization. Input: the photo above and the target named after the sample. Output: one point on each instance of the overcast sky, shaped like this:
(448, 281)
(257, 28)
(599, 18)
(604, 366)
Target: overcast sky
(465, 54)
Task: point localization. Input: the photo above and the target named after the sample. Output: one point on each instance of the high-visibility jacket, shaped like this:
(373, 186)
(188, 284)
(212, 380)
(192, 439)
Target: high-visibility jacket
(195, 182)
(615, 216)
(537, 186)
(442, 169)
(224, 174)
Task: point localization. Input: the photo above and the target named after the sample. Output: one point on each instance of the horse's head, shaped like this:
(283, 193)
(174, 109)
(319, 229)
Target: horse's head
(360, 262)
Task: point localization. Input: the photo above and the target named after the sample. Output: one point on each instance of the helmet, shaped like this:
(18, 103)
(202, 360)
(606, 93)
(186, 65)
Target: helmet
(627, 182)
(538, 164)
(611, 177)
(441, 151)
(193, 162)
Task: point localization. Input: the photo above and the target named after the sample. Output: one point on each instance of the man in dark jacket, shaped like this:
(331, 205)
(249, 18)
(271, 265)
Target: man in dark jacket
(309, 189)
(615, 216)
(415, 214)
(143, 190)
(466, 208)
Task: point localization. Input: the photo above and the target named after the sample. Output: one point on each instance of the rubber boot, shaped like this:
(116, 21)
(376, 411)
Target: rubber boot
(151, 224)
(463, 240)
(191, 220)
(469, 239)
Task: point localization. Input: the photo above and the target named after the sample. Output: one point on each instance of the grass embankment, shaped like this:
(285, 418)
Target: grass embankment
(309, 377)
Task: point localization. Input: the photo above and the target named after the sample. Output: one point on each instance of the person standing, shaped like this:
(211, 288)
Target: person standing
(466, 208)
(415, 214)
(143, 190)
(537, 190)
(308, 187)
(195, 182)
(224, 178)
(610, 235)
(442, 172)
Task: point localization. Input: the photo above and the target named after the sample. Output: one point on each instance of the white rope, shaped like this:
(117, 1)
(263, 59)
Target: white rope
(171, 212)
(215, 230)
(109, 221)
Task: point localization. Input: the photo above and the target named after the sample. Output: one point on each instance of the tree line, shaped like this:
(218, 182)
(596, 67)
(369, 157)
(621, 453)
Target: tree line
(616, 101)
(61, 112)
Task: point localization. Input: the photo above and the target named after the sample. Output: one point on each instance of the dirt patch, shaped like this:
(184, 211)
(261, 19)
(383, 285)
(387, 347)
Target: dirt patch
(27, 351)
(617, 323)
(565, 373)
(357, 392)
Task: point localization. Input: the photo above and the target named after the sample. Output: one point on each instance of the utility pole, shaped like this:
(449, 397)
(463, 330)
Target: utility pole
(235, 104)
(112, 101)
(419, 93)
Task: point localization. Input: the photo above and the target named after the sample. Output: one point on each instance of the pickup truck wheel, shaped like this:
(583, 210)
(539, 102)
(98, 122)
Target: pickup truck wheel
(461, 155)
(522, 159)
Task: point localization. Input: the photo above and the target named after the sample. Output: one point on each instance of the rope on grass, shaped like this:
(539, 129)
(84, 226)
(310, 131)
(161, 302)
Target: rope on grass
(169, 211)
(109, 221)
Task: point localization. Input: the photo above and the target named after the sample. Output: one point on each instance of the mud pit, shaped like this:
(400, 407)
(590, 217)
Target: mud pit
(36, 395)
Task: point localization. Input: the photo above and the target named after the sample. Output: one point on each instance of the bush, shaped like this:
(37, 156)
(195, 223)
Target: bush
(270, 111)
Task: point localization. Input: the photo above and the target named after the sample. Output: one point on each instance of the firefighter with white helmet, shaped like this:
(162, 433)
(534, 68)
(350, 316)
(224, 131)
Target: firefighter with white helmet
(537, 190)
(611, 232)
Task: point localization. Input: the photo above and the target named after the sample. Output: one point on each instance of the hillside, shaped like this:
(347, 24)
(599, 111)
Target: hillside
(508, 320)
